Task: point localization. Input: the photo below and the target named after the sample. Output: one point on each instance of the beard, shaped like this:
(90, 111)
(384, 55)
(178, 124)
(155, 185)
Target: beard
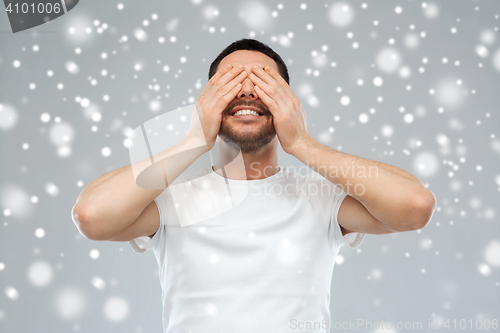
(249, 140)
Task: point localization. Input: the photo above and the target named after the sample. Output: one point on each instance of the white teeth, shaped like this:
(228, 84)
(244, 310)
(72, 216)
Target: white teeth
(245, 113)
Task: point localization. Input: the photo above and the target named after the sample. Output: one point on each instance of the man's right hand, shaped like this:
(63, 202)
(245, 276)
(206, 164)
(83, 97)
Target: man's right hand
(220, 90)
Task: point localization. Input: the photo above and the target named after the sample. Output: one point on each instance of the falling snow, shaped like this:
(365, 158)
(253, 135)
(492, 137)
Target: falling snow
(411, 84)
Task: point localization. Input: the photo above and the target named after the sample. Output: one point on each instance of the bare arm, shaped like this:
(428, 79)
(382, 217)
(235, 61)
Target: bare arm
(114, 207)
(112, 202)
(382, 197)
(389, 199)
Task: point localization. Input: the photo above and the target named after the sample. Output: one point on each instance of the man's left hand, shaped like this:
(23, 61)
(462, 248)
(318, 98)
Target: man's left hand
(289, 117)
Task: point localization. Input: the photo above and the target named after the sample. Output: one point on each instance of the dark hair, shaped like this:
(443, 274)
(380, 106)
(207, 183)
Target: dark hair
(252, 45)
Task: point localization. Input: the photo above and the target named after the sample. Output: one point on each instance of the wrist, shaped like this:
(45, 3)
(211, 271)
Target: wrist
(302, 145)
(195, 140)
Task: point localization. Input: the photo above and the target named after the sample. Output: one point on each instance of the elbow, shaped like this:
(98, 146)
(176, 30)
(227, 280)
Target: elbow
(85, 222)
(424, 207)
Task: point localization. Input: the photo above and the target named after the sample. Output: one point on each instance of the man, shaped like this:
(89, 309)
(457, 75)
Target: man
(263, 261)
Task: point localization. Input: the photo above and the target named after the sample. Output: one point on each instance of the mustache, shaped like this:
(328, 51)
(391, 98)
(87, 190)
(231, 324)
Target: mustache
(250, 103)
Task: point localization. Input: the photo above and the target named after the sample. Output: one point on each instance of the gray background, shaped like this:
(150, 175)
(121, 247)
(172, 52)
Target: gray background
(448, 270)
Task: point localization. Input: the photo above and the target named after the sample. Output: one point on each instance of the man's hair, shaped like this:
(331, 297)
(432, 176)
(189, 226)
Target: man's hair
(252, 45)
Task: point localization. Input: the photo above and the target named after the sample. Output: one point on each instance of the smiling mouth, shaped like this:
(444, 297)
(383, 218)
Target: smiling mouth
(246, 114)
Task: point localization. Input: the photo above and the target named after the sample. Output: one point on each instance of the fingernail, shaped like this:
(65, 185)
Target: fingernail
(228, 66)
(239, 66)
(255, 67)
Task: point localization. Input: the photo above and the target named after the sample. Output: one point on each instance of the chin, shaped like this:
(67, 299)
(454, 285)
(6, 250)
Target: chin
(247, 141)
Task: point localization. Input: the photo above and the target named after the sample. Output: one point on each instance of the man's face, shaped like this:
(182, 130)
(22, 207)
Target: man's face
(247, 133)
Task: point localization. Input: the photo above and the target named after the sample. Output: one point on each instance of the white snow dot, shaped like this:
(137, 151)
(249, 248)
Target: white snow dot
(481, 51)
(408, 118)
(140, 34)
(484, 269)
(340, 14)
(12, 293)
(106, 151)
(98, 283)
(51, 189)
(116, 309)
(40, 274)
(387, 131)
(211, 309)
(84, 102)
(94, 254)
(214, 258)
(378, 81)
(39, 233)
(70, 303)
(426, 164)
(492, 253)
(345, 100)
(72, 67)
(8, 117)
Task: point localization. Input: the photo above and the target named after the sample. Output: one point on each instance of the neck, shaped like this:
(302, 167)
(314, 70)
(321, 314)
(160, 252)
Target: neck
(233, 164)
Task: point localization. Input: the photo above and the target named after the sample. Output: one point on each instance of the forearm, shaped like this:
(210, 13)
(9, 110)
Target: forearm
(113, 201)
(391, 195)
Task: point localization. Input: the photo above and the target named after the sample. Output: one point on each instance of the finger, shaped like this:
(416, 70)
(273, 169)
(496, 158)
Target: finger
(272, 72)
(271, 104)
(221, 104)
(273, 78)
(218, 74)
(260, 73)
(274, 93)
(223, 90)
(224, 79)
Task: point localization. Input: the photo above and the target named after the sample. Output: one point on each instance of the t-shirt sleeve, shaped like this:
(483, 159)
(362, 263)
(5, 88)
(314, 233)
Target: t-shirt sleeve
(144, 243)
(352, 239)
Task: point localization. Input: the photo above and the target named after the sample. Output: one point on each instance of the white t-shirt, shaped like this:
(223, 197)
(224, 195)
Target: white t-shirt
(247, 256)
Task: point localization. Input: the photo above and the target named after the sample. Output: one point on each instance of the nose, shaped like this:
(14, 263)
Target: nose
(247, 89)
